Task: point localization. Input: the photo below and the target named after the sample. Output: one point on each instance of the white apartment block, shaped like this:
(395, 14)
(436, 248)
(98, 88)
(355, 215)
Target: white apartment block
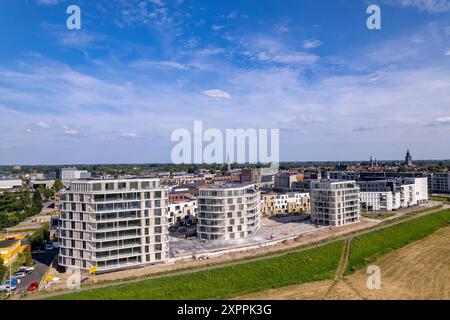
(285, 203)
(393, 194)
(334, 202)
(115, 224)
(379, 201)
(181, 210)
(229, 211)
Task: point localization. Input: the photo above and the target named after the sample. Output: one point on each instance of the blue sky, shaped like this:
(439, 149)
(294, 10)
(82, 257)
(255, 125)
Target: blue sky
(114, 91)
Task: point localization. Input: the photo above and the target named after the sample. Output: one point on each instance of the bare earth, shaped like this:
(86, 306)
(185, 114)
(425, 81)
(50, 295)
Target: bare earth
(420, 270)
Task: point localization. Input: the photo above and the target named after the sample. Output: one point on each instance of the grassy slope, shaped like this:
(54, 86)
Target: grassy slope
(366, 248)
(294, 268)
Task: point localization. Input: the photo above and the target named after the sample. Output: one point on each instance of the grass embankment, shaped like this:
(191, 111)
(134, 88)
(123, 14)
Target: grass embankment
(293, 268)
(377, 215)
(445, 200)
(366, 248)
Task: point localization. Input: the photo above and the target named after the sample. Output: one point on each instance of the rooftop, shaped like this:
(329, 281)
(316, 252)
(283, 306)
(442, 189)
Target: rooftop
(8, 243)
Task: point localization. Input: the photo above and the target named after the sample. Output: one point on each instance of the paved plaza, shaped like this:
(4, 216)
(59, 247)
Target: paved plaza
(280, 228)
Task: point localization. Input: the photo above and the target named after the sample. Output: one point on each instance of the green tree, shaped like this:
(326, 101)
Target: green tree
(3, 270)
(37, 198)
(27, 256)
(58, 185)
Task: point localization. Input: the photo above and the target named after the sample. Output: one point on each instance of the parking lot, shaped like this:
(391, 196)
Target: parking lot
(272, 229)
(41, 263)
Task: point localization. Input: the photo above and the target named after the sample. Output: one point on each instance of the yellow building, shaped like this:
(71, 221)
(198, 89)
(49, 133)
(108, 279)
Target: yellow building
(286, 203)
(10, 247)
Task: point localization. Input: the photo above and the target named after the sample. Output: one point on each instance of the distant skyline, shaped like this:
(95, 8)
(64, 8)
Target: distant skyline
(114, 91)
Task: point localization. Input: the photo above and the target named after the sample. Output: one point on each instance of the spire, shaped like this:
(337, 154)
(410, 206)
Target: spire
(408, 158)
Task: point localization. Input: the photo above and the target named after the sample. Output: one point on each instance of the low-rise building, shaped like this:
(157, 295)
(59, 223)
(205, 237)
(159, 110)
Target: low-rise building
(285, 203)
(184, 210)
(9, 184)
(69, 174)
(10, 247)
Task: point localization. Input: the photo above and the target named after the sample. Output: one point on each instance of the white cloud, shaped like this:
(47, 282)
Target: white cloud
(432, 6)
(288, 58)
(130, 135)
(216, 27)
(157, 2)
(48, 2)
(447, 53)
(440, 122)
(163, 64)
(232, 15)
(43, 125)
(70, 132)
(217, 94)
(310, 44)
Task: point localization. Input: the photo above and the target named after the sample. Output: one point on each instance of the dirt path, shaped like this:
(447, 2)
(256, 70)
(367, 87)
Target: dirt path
(420, 270)
(341, 267)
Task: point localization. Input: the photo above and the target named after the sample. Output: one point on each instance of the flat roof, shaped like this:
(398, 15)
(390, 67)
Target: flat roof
(113, 180)
(8, 243)
(229, 186)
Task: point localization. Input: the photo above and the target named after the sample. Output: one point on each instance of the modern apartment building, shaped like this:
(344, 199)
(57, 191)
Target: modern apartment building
(250, 175)
(229, 211)
(439, 183)
(285, 180)
(392, 194)
(115, 224)
(334, 202)
(182, 210)
(284, 203)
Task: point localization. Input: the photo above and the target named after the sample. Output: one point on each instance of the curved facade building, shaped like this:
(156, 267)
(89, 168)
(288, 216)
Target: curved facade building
(229, 211)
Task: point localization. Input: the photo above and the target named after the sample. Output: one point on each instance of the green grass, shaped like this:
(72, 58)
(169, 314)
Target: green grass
(293, 268)
(366, 248)
(440, 199)
(378, 215)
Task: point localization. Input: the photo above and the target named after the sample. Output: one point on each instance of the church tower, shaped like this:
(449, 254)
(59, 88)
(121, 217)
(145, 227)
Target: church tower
(408, 159)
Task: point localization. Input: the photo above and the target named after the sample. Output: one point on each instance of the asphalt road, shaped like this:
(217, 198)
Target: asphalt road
(42, 262)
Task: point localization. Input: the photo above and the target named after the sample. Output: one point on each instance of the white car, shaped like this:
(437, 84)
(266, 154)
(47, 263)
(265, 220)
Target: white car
(6, 288)
(19, 275)
(26, 269)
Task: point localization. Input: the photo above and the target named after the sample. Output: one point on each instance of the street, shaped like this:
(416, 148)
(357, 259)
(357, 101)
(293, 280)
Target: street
(42, 262)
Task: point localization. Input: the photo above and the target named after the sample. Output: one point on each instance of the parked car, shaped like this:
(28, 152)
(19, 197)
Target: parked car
(48, 247)
(6, 288)
(12, 283)
(33, 286)
(26, 269)
(19, 275)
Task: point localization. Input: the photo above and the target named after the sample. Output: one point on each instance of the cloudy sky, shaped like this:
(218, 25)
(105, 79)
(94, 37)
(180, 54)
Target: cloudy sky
(114, 91)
